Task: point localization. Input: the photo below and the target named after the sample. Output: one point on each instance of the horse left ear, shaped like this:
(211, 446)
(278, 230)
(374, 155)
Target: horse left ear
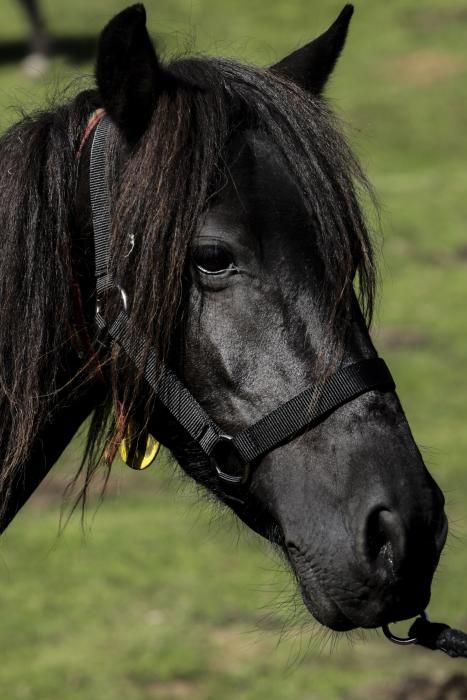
(129, 76)
(311, 66)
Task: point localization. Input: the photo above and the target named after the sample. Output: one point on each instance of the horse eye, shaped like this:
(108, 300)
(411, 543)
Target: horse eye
(213, 259)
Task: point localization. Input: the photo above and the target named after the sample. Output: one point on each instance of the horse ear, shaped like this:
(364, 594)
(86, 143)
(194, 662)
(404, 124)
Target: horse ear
(311, 66)
(129, 76)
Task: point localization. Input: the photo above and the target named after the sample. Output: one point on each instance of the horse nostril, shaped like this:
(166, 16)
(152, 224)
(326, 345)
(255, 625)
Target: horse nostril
(384, 540)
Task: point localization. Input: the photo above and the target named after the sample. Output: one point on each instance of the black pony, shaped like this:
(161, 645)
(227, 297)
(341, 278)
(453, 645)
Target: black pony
(238, 196)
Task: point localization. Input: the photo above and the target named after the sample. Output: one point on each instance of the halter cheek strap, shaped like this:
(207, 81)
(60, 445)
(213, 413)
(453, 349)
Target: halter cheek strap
(231, 456)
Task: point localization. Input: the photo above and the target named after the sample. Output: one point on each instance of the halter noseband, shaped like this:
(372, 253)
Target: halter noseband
(231, 456)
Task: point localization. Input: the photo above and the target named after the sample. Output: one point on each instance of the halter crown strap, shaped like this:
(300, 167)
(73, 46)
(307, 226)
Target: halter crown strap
(231, 456)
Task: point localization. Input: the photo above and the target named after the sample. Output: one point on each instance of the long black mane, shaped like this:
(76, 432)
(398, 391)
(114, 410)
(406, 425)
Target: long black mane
(161, 193)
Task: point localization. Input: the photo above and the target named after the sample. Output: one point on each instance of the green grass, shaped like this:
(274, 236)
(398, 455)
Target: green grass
(161, 598)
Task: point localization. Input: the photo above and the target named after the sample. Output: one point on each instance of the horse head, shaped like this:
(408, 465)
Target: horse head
(239, 239)
(271, 246)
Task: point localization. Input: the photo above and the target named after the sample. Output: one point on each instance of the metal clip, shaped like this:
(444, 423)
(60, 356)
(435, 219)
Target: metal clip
(403, 641)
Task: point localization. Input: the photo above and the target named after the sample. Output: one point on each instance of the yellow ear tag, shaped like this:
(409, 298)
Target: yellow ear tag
(138, 453)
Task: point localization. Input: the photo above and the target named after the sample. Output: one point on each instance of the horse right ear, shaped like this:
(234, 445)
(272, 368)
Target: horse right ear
(311, 66)
(129, 75)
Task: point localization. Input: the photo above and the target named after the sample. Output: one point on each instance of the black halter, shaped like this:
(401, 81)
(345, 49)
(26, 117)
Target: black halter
(231, 456)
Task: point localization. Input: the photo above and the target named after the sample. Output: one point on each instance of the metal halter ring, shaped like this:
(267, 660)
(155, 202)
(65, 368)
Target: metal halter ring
(123, 297)
(227, 461)
(403, 641)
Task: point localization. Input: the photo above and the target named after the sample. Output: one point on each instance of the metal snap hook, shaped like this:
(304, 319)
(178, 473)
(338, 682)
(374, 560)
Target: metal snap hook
(403, 641)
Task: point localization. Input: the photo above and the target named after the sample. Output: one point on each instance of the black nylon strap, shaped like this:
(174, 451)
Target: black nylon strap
(312, 404)
(229, 454)
(100, 204)
(180, 403)
(278, 426)
(171, 392)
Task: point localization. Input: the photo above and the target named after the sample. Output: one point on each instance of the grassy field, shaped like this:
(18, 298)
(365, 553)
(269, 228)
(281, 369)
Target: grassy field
(163, 596)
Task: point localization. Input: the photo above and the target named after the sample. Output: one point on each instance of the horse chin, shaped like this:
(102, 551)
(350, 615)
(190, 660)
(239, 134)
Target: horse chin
(326, 611)
(369, 607)
(366, 614)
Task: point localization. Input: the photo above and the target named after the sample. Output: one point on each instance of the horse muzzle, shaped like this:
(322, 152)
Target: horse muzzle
(383, 577)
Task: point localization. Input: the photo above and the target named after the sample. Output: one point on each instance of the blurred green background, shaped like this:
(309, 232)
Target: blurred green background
(162, 595)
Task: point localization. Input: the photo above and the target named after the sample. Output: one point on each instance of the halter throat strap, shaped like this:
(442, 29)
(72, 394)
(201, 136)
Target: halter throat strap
(231, 456)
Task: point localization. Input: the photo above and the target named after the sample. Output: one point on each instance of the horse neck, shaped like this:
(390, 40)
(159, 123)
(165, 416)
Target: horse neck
(48, 447)
(78, 392)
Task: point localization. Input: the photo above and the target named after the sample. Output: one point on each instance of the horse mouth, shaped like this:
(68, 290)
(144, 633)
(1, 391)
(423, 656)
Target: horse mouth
(324, 608)
(328, 612)
(364, 613)
(370, 608)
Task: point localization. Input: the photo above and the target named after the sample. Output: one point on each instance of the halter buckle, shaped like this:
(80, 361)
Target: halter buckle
(228, 462)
